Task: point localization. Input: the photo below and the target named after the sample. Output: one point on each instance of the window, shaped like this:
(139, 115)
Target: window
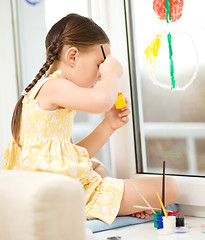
(169, 123)
(128, 145)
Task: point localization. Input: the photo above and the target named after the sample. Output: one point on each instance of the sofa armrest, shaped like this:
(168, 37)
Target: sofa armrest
(40, 206)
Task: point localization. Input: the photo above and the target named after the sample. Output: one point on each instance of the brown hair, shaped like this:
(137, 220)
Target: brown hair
(74, 30)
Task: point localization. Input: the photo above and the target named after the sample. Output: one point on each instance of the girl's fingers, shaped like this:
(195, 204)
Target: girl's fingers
(146, 215)
(125, 119)
(148, 212)
(124, 108)
(124, 113)
(127, 105)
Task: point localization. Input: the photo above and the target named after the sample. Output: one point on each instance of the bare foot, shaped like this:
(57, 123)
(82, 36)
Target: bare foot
(143, 214)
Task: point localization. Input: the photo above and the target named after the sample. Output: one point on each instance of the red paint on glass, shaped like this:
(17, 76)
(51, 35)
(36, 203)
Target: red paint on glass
(175, 6)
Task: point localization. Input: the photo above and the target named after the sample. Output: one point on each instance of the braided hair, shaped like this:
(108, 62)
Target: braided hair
(73, 30)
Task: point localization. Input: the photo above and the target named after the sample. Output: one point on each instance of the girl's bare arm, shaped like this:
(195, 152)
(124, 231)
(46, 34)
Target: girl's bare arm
(60, 92)
(95, 141)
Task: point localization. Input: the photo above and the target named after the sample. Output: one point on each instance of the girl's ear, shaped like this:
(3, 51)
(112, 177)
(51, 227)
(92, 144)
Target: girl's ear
(71, 55)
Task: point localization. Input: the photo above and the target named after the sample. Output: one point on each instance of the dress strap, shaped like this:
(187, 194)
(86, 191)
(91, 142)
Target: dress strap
(39, 85)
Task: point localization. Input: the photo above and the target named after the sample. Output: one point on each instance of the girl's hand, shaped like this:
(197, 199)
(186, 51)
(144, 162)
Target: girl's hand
(110, 67)
(117, 118)
(143, 214)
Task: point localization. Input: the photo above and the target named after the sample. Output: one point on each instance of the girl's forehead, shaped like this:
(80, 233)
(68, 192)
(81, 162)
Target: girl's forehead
(106, 48)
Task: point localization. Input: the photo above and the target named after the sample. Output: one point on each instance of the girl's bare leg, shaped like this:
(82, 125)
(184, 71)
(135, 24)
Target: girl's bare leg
(148, 187)
(99, 168)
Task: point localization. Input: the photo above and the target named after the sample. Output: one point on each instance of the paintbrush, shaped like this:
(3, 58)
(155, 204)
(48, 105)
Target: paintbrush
(162, 205)
(148, 208)
(163, 185)
(103, 52)
(143, 197)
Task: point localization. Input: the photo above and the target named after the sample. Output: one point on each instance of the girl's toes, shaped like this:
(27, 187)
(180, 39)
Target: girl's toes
(142, 215)
(137, 215)
(146, 215)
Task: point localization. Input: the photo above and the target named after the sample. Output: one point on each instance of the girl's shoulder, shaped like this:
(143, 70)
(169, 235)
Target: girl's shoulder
(45, 91)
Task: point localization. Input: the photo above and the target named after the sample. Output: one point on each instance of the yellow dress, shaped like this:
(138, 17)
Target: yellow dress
(46, 146)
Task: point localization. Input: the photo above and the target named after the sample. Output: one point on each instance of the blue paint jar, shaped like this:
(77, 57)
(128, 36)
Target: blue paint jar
(159, 222)
(155, 218)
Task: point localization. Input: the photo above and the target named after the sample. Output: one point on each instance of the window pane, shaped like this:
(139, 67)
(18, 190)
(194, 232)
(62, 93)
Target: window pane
(170, 84)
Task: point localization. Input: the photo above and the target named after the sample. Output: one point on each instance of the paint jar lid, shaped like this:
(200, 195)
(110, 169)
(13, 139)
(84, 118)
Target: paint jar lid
(169, 218)
(173, 213)
(180, 215)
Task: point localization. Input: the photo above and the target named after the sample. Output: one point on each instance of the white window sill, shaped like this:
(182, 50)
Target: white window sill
(147, 231)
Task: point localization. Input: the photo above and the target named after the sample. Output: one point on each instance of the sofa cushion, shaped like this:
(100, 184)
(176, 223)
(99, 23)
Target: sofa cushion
(40, 206)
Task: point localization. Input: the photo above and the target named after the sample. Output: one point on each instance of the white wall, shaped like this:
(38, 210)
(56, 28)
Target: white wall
(8, 85)
(32, 32)
(110, 15)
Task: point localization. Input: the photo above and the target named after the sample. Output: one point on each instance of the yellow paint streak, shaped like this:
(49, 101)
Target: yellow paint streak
(152, 50)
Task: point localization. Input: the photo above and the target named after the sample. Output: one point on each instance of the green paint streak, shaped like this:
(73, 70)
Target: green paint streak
(168, 15)
(171, 61)
(171, 65)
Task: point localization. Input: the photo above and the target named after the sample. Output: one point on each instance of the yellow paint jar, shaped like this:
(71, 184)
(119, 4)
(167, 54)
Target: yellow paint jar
(120, 102)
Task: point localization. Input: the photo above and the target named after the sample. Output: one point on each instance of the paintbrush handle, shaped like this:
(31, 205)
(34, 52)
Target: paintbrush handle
(162, 205)
(103, 52)
(148, 208)
(142, 197)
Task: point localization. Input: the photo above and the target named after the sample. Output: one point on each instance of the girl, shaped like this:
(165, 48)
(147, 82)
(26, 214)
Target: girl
(78, 78)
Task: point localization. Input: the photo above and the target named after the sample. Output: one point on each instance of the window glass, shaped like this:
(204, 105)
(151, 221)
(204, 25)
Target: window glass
(169, 51)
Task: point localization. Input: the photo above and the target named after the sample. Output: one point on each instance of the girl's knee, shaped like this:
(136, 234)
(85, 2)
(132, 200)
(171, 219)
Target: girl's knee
(99, 168)
(102, 170)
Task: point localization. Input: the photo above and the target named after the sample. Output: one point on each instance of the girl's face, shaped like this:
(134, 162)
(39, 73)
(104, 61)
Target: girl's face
(85, 71)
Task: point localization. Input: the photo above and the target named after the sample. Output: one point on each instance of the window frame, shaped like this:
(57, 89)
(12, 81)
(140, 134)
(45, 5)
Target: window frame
(191, 196)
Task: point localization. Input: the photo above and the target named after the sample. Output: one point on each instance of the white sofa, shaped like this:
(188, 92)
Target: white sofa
(40, 206)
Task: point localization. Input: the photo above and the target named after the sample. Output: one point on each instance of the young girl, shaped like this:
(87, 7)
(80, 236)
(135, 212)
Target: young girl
(78, 78)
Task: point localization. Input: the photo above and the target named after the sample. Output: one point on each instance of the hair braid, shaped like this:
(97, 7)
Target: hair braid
(52, 54)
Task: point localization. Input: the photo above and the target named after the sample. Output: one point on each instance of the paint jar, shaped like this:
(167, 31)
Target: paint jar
(159, 222)
(179, 220)
(169, 224)
(120, 102)
(155, 218)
